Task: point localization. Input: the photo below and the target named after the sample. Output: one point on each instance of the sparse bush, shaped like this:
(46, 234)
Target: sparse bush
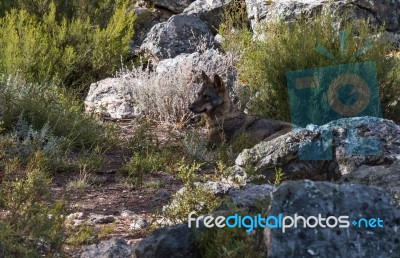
(33, 225)
(143, 139)
(81, 182)
(162, 98)
(139, 166)
(91, 161)
(187, 172)
(282, 47)
(196, 198)
(148, 155)
(279, 176)
(83, 234)
(193, 197)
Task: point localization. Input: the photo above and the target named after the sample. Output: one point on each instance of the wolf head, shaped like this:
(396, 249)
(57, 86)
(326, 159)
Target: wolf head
(212, 95)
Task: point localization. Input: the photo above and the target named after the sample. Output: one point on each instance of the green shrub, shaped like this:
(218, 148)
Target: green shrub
(33, 225)
(284, 47)
(227, 153)
(187, 172)
(41, 105)
(194, 198)
(83, 234)
(144, 139)
(73, 52)
(98, 11)
(230, 243)
(147, 154)
(139, 166)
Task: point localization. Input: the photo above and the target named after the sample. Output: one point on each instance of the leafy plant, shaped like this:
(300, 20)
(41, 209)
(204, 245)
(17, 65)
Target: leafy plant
(280, 47)
(43, 106)
(73, 52)
(33, 225)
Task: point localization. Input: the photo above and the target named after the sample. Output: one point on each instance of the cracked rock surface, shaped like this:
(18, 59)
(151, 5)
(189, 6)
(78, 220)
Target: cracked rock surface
(380, 13)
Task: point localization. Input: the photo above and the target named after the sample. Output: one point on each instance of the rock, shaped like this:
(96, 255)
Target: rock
(351, 139)
(211, 62)
(101, 219)
(176, 6)
(209, 11)
(174, 242)
(386, 177)
(238, 176)
(128, 214)
(123, 97)
(113, 248)
(111, 97)
(146, 18)
(75, 219)
(138, 223)
(76, 215)
(385, 12)
(163, 195)
(180, 34)
(307, 198)
(216, 188)
(251, 196)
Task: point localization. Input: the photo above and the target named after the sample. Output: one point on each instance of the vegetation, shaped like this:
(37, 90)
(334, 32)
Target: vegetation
(39, 105)
(34, 222)
(281, 47)
(233, 242)
(194, 197)
(49, 52)
(42, 44)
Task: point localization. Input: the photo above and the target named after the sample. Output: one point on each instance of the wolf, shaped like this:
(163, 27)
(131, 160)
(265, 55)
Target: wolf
(225, 121)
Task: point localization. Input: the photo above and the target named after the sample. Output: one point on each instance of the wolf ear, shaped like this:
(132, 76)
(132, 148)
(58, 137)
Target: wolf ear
(205, 77)
(219, 84)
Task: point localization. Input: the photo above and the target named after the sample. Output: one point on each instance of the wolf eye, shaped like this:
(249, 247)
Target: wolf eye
(206, 97)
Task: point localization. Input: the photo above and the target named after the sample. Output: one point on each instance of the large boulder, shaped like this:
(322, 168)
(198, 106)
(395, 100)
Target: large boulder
(211, 62)
(123, 97)
(353, 142)
(251, 196)
(111, 97)
(386, 177)
(174, 242)
(146, 18)
(385, 12)
(176, 6)
(307, 198)
(180, 34)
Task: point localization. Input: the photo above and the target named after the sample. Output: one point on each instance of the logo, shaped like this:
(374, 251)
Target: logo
(320, 95)
(282, 222)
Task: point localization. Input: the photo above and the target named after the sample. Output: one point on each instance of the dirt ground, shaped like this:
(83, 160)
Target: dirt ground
(108, 192)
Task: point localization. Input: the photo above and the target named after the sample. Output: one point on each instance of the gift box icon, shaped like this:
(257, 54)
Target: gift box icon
(320, 95)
